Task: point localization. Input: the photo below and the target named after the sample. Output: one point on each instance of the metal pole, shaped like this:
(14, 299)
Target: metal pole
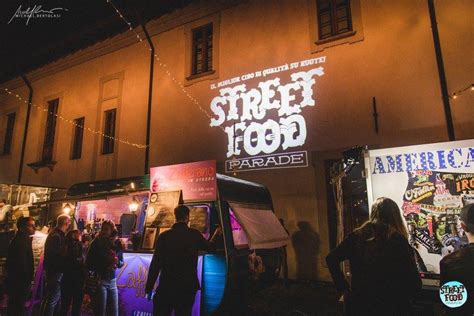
(150, 96)
(441, 73)
(27, 123)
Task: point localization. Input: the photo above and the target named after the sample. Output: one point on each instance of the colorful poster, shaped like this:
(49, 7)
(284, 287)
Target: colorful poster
(430, 183)
(431, 207)
(197, 180)
(131, 282)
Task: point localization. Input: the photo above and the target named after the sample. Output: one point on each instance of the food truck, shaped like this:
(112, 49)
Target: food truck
(142, 208)
(430, 183)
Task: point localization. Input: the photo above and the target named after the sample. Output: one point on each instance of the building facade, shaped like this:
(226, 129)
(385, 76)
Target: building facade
(243, 79)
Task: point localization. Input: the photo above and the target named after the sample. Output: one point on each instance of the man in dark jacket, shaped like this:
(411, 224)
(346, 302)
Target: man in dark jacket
(459, 265)
(19, 267)
(54, 262)
(176, 256)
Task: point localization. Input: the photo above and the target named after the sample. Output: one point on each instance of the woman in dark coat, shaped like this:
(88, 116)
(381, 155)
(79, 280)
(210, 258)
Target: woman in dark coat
(72, 283)
(384, 273)
(104, 257)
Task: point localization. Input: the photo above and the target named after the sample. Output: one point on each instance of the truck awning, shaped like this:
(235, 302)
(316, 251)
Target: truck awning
(261, 226)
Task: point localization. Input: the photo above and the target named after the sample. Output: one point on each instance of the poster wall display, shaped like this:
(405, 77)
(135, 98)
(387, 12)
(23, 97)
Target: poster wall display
(430, 183)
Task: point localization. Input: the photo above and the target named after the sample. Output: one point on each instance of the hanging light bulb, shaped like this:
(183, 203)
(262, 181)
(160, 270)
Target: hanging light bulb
(455, 96)
(67, 209)
(472, 87)
(133, 206)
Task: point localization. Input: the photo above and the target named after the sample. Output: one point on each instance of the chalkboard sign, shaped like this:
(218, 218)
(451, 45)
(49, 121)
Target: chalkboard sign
(199, 218)
(160, 211)
(159, 215)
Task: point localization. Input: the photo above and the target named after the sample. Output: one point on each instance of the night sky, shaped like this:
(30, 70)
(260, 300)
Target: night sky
(26, 47)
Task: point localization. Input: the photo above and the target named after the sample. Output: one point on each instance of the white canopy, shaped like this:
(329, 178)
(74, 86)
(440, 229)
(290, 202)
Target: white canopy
(261, 226)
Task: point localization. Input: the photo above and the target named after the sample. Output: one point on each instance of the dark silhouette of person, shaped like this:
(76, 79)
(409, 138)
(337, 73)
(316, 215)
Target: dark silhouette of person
(19, 267)
(384, 273)
(105, 256)
(176, 256)
(54, 264)
(72, 285)
(306, 243)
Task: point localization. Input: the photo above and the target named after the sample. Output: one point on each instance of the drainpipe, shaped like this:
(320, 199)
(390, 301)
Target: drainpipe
(150, 96)
(27, 123)
(442, 75)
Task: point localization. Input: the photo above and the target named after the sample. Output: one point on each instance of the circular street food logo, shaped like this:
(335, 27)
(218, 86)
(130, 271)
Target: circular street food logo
(453, 294)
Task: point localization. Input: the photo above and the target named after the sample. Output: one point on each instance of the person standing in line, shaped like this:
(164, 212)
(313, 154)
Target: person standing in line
(103, 258)
(176, 256)
(54, 264)
(19, 267)
(459, 265)
(384, 273)
(72, 285)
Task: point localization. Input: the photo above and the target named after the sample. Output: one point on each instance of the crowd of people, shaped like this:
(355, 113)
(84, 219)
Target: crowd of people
(70, 261)
(385, 277)
(75, 264)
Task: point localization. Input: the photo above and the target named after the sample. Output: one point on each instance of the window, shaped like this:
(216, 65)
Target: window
(202, 49)
(76, 151)
(334, 18)
(49, 135)
(109, 131)
(7, 143)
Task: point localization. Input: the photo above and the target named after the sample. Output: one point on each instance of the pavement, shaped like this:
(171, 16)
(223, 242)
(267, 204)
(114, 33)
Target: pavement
(297, 299)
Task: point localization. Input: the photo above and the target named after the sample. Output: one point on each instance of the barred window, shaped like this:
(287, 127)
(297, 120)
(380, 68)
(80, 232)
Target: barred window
(78, 134)
(109, 131)
(202, 49)
(7, 142)
(334, 18)
(50, 132)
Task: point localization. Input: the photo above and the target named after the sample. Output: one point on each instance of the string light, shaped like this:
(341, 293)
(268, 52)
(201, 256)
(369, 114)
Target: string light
(162, 64)
(456, 94)
(140, 146)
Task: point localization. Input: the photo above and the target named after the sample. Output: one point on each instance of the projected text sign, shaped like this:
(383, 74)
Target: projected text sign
(267, 118)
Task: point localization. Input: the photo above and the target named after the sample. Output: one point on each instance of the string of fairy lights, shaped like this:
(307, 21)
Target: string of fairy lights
(100, 133)
(458, 93)
(161, 63)
(64, 119)
(180, 84)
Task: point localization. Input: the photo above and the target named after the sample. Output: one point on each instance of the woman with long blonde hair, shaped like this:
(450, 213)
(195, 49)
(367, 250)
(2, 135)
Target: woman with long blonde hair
(382, 263)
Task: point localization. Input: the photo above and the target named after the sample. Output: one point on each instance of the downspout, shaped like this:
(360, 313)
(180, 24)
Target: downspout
(27, 123)
(150, 97)
(441, 73)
